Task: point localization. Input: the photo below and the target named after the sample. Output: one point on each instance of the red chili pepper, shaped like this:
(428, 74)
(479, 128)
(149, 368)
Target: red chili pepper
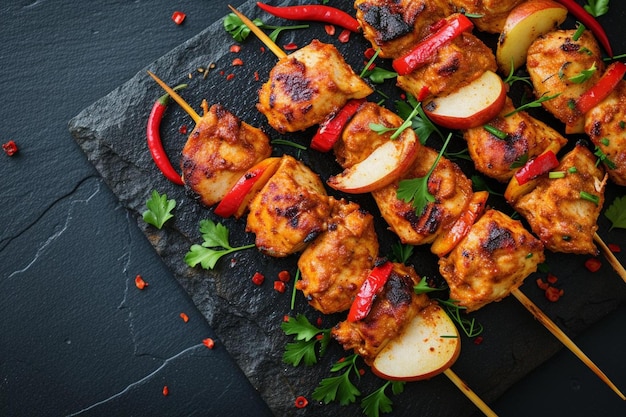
(424, 50)
(615, 248)
(209, 343)
(590, 22)
(301, 402)
(375, 281)
(166, 391)
(553, 294)
(328, 133)
(284, 276)
(279, 286)
(536, 167)
(344, 36)
(593, 264)
(235, 48)
(10, 148)
(154, 139)
(290, 46)
(315, 12)
(605, 85)
(258, 278)
(184, 316)
(237, 62)
(140, 283)
(178, 17)
(330, 30)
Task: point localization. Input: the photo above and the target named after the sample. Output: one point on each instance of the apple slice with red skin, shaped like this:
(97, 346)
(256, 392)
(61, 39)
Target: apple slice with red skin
(471, 105)
(428, 345)
(525, 23)
(236, 200)
(383, 166)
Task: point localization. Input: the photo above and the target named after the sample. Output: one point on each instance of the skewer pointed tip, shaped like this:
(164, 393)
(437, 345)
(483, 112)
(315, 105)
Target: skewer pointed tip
(177, 98)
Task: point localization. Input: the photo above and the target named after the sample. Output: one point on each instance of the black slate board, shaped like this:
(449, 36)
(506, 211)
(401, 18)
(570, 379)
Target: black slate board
(247, 318)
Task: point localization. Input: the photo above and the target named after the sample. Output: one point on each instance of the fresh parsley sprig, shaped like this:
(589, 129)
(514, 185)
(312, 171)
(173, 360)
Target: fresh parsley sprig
(616, 213)
(310, 341)
(597, 7)
(470, 327)
(339, 388)
(401, 252)
(378, 402)
(421, 124)
(534, 103)
(159, 209)
(239, 31)
(215, 245)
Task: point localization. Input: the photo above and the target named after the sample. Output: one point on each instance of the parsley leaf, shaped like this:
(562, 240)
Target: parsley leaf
(339, 387)
(159, 209)
(421, 124)
(378, 402)
(616, 213)
(401, 252)
(306, 341)
(597, 7)
(215, 245)
(239, 31)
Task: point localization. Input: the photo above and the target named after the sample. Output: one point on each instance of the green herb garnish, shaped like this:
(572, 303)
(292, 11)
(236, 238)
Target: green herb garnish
(339, 388)
(215, 246)
(597, 7)
(310, 341)
(239, 31)
(616, 213)
(159, 209)
(378, 402)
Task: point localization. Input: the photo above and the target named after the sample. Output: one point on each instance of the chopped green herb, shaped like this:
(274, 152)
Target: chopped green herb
(159, 209)
(616, 213)
(470, 327)
(556, 174)
(215, 246)
(534, 103)
(288, 143)
(605, 141)
(590, 197)
(579, 31)
(512, 78)
(495, 131)
(519, 162)
(602, 157)
(572, 170)
(584, 75)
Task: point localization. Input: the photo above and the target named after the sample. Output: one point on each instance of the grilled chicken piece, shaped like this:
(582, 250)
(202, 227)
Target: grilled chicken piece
(218, 152)
(306, 86)
(493, 259)
(453, 66)
(392, 309)
(526, 136)
(552, 60)
(555, 210)
(606, 126)
(447, 183)
(492, 13)
(336, 263)
(289, 211)
(395, 26)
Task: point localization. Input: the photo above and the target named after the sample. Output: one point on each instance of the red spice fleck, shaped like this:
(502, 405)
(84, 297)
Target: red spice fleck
(553, 294)
(230, 77)
(330, 29)
(258, 278)
(369, 53)
(286, 318)
(184, 317)
(235, 48)
(403, 96)
(552, 279)
(222, 72)
(593, 264)
(209, 343)
(182, 129)
(262, 49)
(10, 148)
(140, 283)
(614, 248)
(256, 76)
(361, 371)
(284, 276)
(279, 286)
(342, 359)
(178, 17)
(319, 321)
(290, 46)
(301, 402)
(344, 36)
(542, 284)
(478, 340)
(166, 391)
(237, 62)
(319, 336)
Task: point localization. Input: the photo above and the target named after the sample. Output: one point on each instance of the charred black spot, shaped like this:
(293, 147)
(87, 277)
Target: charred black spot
(296, 84)
(389, 24)
(312, 235)
(431, 106)
(398, 289)
(596, 129)
(499, 238)
(568, 46)
(450, 68)
(427, 221)
(332, 227)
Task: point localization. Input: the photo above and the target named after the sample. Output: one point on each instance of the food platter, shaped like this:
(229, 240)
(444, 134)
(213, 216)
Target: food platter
(247, 317)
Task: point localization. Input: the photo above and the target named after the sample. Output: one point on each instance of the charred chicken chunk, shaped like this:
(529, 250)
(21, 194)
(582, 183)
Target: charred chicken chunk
(606, 126)
(391, 310)
(453, 66)
(395, 26)
(493, 259)
(556, 209)
(219, 150)
(289, 211)
(336, 263)
(525, 137)
(306, 86)
(554, 62)
(447, 183)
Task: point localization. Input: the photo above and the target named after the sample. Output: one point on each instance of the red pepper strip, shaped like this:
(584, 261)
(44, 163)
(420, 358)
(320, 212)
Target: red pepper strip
(154, 139)
(590, 22)
(328, 133)
(605, 85)
(315, 12)
(424, 50)
(593, 264)
(536, 167)
(362, 303)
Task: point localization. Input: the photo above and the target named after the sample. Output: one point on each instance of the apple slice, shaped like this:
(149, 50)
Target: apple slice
(429, 345)
(525, 23)
(469, 106)
(383, 166)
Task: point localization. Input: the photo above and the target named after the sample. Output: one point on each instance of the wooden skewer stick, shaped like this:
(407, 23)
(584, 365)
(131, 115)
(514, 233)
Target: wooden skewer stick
(478, 402)
(558, 333)
(610, 256)
(177, 98)
(260, 34)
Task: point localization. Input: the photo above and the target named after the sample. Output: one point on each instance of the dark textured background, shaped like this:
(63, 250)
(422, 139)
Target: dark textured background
(77, 335)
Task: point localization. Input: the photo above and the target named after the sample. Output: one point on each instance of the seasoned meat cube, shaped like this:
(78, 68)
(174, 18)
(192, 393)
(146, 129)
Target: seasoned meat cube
(553, 59)
(336, 263)
(555, 210)
(493, 259)
(395, 26)
(606, 126)
(492, 13)
(450, 187)
(289, 211)
(391, 310)
(306, 86)
(218, 152)
(453, 66)
(526, 136)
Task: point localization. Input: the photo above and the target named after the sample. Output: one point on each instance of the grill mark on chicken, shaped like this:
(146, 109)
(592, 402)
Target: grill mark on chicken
(388, 21)
(427, 222)
(449, 68)
(499, 238)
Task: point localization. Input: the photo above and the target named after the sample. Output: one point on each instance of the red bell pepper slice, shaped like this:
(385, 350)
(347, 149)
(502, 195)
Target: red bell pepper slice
(590, 22)
(536, 167)
(374, 282)
(605, 85)
(329, 132)
(424, 50)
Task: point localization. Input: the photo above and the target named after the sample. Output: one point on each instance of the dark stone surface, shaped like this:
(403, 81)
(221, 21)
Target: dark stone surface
(78, 336)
